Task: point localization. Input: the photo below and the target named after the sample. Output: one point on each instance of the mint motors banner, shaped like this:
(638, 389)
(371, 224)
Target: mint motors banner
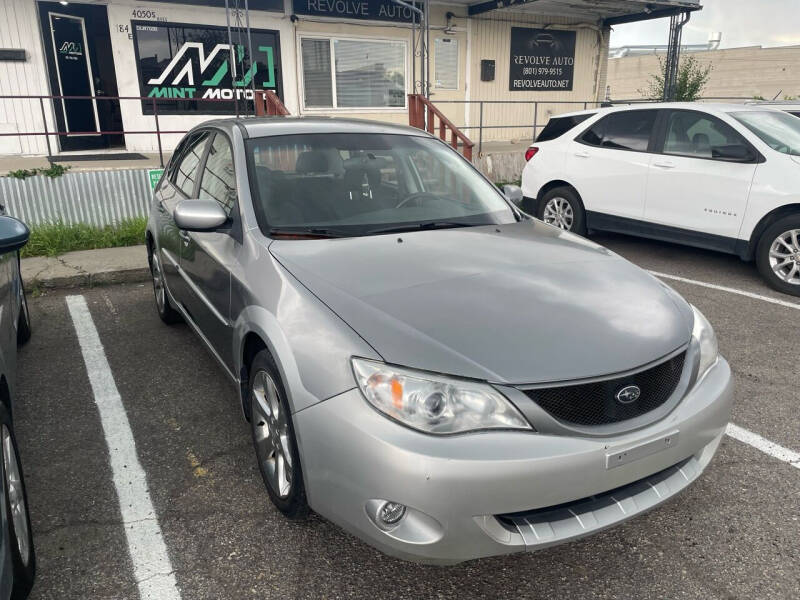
(190, 63)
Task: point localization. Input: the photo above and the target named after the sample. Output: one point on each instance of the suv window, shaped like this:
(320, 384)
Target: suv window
(699, 135)
(558, 126)
(627, 130)
(186, 168)
(218, 182)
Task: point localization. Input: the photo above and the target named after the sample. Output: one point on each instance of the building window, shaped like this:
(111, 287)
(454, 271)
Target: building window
(445, 58)
(340, 73)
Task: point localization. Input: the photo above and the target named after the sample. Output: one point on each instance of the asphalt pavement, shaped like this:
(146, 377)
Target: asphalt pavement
(734, 534)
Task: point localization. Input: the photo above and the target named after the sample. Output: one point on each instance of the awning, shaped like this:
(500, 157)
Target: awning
(609, 12)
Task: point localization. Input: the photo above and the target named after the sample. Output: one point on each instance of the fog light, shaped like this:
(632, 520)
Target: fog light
(390, 513)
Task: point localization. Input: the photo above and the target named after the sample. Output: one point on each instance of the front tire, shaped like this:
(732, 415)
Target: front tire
(778, 255)
(24, 322)
(23, 557)
(562, 208)
(274, 439)
(165, 310)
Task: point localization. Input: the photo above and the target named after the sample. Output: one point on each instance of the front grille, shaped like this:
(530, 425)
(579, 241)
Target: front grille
(595, 403)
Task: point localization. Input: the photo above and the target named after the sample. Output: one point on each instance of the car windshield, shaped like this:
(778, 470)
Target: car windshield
(779, 130)
(361, 184)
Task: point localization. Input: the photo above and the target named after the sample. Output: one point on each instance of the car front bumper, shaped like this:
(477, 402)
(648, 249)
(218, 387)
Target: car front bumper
(490, 493)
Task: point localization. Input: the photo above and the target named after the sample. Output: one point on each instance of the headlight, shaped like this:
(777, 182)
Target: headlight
(704, 334)
(433, 403)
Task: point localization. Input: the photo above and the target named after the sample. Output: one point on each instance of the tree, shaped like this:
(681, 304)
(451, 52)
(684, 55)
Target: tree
(691, 81)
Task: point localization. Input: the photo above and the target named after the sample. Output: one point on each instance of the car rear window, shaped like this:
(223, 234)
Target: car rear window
(625, 130)
(558, 126)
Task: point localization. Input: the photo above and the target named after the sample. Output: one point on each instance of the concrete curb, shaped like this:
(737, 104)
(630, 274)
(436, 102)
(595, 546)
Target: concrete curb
(86, 268)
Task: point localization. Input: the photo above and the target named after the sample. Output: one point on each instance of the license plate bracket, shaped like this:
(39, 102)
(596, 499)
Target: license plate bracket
(634, 453)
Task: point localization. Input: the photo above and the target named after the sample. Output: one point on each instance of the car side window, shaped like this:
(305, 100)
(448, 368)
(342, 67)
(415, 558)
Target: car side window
(188, 163)
(698, 135)
(172, 165)
(218, 181)
(558, 126)
(625, 130)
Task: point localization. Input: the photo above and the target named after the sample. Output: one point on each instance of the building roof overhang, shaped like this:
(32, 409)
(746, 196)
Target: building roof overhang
(607, 12)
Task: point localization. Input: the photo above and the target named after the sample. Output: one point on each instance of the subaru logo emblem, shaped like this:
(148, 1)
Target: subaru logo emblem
(628, 394)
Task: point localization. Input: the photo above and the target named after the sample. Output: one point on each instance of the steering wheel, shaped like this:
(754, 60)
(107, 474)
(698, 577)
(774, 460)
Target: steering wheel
(417, 197)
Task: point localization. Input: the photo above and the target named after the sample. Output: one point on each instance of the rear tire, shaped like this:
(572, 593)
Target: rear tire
(778, 255)
(23, 557)
(562, 207)
(274, 439)
(163, 306)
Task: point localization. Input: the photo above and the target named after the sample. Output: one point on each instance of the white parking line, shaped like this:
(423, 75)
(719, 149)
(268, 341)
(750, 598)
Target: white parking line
(723, 288)
(152, 568)
(763, 444)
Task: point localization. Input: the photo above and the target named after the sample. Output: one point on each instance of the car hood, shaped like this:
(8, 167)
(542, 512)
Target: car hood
(520, 303)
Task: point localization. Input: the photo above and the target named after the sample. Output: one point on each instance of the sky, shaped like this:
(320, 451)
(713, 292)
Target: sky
(742, 23)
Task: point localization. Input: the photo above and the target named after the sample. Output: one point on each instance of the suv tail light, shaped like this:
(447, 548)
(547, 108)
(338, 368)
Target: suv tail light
(530, 153)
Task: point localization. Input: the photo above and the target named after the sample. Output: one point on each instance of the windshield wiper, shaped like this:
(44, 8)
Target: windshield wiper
(304, 233)
(420, 227)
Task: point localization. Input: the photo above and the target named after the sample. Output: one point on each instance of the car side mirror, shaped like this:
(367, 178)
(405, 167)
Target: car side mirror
(199, 215)
(513, 194)
(14, 234)
(733, 152)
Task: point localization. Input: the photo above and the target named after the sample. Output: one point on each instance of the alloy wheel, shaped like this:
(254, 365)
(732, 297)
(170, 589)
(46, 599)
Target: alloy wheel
(558, 212)
(16, 496)
(271, 434)
(158, 282)
(784, 256)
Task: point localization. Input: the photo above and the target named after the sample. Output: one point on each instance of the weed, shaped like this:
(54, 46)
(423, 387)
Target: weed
(53, 239)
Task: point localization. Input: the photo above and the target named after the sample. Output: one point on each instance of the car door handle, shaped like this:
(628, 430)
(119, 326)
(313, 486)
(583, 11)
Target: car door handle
(161, 207)
(664, 164)
(582, 154)
(184, 235)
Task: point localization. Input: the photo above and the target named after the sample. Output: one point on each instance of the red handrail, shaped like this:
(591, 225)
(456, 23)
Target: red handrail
(419, 107)
(268, 104)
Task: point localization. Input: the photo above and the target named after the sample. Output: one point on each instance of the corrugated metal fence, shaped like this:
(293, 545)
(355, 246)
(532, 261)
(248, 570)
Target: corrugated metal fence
(92, 197)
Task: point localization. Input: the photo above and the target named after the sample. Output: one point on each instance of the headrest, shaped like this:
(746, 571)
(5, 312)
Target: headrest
(312, 161)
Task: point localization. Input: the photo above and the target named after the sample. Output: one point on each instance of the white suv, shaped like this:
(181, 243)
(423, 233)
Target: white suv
(724, 177)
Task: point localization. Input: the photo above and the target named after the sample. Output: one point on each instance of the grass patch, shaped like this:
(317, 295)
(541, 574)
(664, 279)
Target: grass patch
(53, 171)
(53, 239)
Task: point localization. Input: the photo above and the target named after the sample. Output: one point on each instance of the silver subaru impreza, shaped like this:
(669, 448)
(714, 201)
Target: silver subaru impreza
(420, 362)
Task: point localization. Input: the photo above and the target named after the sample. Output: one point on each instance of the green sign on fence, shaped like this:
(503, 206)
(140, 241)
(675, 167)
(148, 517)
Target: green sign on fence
(154, 175)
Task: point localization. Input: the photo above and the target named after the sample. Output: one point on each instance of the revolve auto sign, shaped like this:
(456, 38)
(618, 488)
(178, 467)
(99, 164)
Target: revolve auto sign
(373, 10)
(541, 59)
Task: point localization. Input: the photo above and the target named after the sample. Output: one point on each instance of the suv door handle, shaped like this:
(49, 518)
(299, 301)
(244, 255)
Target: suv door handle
(184, 235)
(664, 164)
(582, 154)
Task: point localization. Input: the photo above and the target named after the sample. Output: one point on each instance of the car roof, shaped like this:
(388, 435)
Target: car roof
(710, 107)
(289, 125)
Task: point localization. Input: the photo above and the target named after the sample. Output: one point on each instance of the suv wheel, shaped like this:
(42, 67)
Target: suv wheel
(778, 255)
(562, 208)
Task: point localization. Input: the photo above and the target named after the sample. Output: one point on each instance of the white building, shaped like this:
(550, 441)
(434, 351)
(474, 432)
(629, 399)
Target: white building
(332, 57)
